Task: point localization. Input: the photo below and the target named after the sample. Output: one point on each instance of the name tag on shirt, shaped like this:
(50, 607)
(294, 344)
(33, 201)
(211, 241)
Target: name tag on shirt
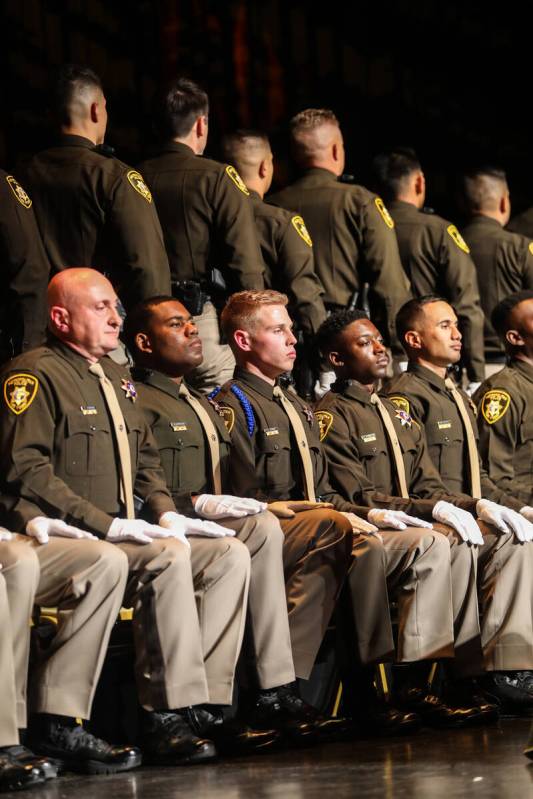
(445, 424)
(271, 431)
(368, 437)
(178, 427)
(88, 410)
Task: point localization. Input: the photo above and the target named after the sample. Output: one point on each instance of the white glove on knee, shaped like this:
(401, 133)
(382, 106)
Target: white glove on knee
(505, 519)
(220, 506)
(42, 528)
(395, 519)
(135, 530)
(461, 521)
(5, 535)
(182, 525)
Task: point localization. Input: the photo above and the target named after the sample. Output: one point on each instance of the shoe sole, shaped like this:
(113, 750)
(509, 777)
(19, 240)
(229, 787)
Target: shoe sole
(17, 785)
(96, 766)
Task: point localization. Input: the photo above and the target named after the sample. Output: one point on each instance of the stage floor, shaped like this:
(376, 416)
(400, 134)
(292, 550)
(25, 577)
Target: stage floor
(481, 762)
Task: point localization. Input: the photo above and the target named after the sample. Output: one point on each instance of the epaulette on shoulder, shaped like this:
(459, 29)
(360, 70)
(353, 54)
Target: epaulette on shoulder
(245, 403)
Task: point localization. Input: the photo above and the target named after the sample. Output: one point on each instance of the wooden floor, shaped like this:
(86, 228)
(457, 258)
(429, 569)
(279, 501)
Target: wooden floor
(486, 762)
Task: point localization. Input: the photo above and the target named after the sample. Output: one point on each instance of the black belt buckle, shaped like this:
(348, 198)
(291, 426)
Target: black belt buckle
(191, 295)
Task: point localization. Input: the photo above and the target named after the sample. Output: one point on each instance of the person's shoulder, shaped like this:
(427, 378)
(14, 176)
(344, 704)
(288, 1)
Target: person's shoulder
(36, 361)
(407, 390)
(499, 393)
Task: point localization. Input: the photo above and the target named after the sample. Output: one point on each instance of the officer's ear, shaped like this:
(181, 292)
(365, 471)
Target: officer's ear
(335, 359)
(514, 338)
(142, 342)
(243, 340)
(60, 318)
(413, 340)
(420, 183)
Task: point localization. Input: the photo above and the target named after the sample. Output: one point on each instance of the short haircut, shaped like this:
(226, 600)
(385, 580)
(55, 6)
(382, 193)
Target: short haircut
(483, 188)
(410, 313)
(392, 169)
(501, 313)
(177, 107)
(329, 331)
(137, 320)
(245, 149)
(305, 123)
(72, 93)
(241, 309)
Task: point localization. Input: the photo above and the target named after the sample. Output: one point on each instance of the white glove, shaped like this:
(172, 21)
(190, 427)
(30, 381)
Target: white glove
(135, 530)
(461, 521)
(182, 525)
(220, 506)
(396, 519)
(5, 535)
(42, 528)
(505, 519)
(472, 388)
(359, 525)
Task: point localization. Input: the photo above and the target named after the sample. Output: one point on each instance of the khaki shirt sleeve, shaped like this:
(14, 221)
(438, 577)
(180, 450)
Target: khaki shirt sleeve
(296, 265)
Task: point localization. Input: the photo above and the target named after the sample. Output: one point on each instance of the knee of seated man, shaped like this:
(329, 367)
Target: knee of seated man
(260, 531)
(110, 559)
(333, 529)
(17, 555)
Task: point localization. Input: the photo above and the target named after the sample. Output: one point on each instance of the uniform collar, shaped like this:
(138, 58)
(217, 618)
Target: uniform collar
(69, 140)
(177, 147)
(400, 206)
(156, 379)
(427, 375)
(484, 221)
(353, 390)
(318, 175)
(77, 361)
(255, 195)
(254, 382)
(525, 369)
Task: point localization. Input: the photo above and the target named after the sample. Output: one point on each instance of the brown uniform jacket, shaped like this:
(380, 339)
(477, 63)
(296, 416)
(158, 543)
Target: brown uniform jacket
(361, 465)
(265, 461)
(287, 251)
(24, 271)
(522, 223)
(57, 450)
(424, 395)
(437, 261)
(95, 211)
(180, 437)
(206, 216)
(353, 242)
(504, 263)
(505, 420)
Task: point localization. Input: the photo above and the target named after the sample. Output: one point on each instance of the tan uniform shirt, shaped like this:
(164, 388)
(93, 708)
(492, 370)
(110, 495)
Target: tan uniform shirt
(206, 216)
(354, 243)
(423, 394)
(505, 419)
(287, 251)
(504, 263)
(437, 261)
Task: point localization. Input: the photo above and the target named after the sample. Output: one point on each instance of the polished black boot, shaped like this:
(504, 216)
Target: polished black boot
(433, 711)
(24, 757)
(16, 777)
(468, 693)
(272, 711)
(377, 717)
(169, 740)
(74, 749)
(511, 690)
(230, 736)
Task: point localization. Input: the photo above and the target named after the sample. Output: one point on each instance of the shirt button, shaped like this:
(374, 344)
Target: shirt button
(93, 427)
(276, 446)
(446, 438)
(374, 449)
(121, 427)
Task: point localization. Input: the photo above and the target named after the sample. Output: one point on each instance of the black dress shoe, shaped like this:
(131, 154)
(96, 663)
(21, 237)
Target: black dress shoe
(230, 737)
(380, 718)
(75, 749)
(16, 777)
(270, 712)
(25, 757)
(465, 693)
(433, 711)
(511, 690)
(168, 740)
(328, 728)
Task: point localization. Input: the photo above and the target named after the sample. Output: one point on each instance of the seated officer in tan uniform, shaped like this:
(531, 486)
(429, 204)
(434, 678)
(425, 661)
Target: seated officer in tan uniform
(74, 445)
(163, 338)
(428, 328)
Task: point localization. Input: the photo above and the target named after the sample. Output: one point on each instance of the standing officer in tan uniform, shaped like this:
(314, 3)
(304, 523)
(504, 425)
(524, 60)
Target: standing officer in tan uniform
(352, 231)
(504, 260)
(74, 444)
(90, 207)
(207, 221)
(433, 252)
(25, 272)
(429, 328)
(286, 246)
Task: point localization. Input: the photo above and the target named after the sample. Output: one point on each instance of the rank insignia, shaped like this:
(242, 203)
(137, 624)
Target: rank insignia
(387, 218)
(18, 191)
(494, 405)
(137, 181)
(233, 175)
(404, 418)
(19, 392)
(299, 225)
(228, 414)
(456, 236)
(324, 420)
(400, 403)
(129, 389)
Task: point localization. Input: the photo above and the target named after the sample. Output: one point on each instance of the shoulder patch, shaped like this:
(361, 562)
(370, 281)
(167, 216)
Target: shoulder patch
(530, 247)
(458, 239)
(137, 181)
(324, 420)
(494, 405)
(299, 225)
(228, 414)
(18, 191)
(401, 402)
(387, 218)
(19, 392)
(233, 175)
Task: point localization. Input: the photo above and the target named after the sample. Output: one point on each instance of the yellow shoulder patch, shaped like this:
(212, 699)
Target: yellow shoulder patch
(228, 414)
(137, 181)
(299, 225)
(530, 248)
(458, 239)
(387, 218)
(494, 405)
(233, 175)
(18, 191)
(324, 420)
(401, 402)
(19, 392)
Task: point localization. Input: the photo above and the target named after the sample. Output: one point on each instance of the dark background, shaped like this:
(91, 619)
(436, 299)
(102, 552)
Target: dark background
(451, 79)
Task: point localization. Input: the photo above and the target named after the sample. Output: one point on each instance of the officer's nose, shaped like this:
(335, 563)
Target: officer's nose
(379, 347)
(456, 333)
(191, 329)
(291, 338)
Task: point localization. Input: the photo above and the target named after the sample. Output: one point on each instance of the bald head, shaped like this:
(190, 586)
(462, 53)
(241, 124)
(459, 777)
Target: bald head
(317, 140)
(486, 193)
(82, 309)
